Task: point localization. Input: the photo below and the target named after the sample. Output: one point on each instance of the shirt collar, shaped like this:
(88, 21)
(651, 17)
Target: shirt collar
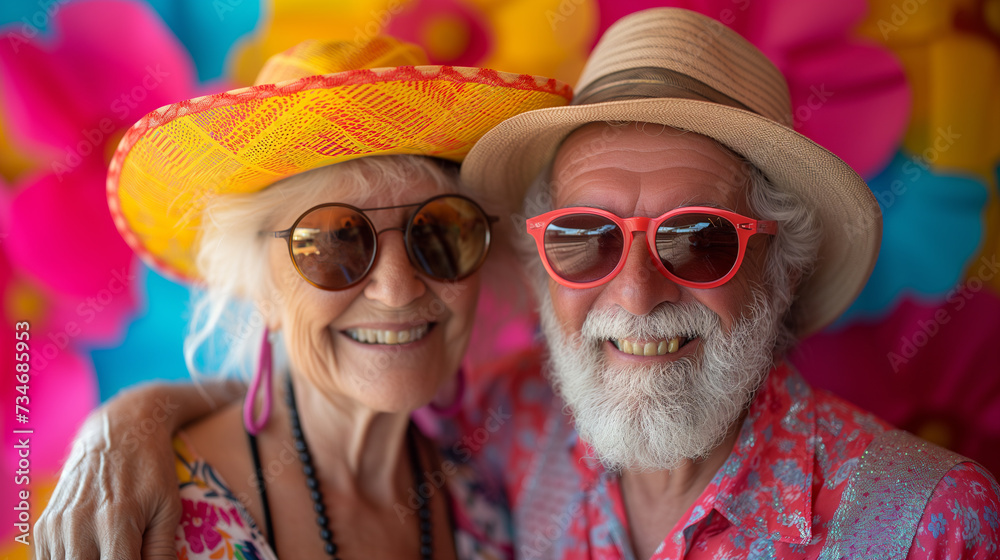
(765, 485)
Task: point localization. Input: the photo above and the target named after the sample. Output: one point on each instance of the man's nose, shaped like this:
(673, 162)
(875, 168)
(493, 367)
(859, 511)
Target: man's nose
(394, 281)
(640, 286)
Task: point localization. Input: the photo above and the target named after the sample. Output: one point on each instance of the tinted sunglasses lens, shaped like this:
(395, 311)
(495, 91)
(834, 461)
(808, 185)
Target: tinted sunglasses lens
(449, 237)
(583, 247)
(333, 246)
(698, 247)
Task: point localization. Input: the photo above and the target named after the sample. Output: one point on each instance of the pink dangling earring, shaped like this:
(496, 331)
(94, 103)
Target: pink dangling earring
(261, 376)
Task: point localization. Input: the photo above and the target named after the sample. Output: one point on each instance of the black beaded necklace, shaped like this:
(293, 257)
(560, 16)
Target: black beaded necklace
(423, 512)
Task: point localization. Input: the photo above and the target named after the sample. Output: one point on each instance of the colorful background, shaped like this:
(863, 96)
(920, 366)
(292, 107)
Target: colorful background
(906, 91)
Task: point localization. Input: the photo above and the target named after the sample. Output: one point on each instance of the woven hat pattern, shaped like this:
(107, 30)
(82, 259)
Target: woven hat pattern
(697, 46)
(174, 160)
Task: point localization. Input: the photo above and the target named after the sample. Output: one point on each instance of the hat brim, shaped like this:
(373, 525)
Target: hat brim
(510, 157)
(170, 163)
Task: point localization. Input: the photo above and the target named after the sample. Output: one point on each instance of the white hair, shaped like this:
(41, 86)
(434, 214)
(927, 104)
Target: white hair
(791, 254)
(237, 286)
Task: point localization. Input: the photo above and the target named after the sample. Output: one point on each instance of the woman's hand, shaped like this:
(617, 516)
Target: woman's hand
(117, 496)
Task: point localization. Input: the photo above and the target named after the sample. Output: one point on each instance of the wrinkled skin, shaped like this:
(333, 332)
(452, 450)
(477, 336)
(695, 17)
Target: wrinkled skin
(100, 507)
(117, 496)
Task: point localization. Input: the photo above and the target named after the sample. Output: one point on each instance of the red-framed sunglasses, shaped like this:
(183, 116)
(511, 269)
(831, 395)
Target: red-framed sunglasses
(695, 246)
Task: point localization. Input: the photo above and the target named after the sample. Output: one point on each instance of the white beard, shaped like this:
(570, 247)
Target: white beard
(654, 417)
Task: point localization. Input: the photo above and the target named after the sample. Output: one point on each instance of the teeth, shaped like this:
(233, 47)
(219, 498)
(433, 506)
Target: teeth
(674, 345)
(381, 336)
(657, 348)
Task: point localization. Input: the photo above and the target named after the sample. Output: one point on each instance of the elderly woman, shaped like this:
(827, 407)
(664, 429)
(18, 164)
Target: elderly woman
(324, 234)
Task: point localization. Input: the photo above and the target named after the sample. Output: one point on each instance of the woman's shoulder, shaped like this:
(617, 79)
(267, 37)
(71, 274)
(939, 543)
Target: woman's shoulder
(214, 522)
(219, 435)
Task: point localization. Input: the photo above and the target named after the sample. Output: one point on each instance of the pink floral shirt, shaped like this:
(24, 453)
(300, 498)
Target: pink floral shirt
(215, 525)
(774, 497)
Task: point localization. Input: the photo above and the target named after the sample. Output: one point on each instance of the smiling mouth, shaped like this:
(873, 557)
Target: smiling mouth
(650, 347)
(389, 337)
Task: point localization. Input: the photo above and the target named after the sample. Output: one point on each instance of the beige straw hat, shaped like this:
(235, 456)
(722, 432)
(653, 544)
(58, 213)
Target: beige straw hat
(682, 69)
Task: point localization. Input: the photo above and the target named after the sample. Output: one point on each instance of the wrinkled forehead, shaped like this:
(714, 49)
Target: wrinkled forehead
(626, 157)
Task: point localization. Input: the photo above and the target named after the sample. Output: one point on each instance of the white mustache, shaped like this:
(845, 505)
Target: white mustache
(655, 416)
(690, 320)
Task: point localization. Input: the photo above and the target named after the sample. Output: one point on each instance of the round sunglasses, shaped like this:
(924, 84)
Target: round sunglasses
(334, 246)
(695, 246)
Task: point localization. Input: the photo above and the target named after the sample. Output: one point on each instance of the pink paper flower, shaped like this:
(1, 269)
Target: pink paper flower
(849, 95)
(927, 367)
(72, 99)
(451, 31)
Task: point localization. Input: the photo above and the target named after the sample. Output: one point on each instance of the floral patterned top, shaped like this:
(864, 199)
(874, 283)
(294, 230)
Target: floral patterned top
(776, 495)
(214, 524)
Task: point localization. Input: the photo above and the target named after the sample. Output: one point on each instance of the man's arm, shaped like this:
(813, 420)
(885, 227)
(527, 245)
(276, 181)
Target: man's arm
(117, 494)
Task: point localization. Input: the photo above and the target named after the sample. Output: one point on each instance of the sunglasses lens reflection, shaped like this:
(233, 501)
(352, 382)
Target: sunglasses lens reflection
(698, 247)
(583, 248)
(333, 246)
(449, 237)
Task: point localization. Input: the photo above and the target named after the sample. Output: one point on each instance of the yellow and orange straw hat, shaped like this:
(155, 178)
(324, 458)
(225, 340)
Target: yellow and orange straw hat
(316, 104)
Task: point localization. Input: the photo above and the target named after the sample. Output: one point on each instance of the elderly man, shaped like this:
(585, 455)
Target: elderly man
(695, 237)
(685, 238)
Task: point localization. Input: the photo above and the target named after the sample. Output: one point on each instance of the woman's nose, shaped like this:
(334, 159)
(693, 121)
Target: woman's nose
(393, 281)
